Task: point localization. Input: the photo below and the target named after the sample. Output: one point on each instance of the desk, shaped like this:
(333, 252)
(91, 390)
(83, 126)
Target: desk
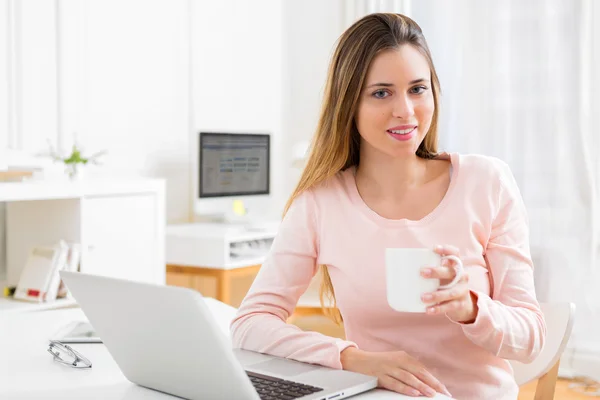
(27, 371)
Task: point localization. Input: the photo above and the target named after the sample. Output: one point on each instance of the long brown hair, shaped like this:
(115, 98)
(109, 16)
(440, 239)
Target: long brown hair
(336, 142)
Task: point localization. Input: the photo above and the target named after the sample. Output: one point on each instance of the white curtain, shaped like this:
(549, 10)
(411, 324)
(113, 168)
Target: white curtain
(520, 82)
(354, 9)
(2, 241)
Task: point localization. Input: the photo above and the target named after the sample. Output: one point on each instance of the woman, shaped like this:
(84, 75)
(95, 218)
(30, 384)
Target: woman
(374, 180)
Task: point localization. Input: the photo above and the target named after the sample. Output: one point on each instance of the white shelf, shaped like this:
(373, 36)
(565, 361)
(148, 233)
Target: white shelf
(64, 189)
(119, 223)
(8, 305)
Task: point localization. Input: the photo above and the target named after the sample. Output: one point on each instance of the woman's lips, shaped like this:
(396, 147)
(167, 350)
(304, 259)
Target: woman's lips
(402, 136)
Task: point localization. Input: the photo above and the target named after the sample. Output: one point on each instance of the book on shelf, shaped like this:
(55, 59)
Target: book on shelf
(40, 280)
(72, 264)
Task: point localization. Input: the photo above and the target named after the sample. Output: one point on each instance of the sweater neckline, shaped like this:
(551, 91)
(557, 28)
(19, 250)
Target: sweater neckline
(358, 201)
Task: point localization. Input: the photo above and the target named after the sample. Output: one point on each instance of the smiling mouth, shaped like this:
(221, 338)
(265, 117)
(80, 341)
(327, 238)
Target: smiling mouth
(401, 131)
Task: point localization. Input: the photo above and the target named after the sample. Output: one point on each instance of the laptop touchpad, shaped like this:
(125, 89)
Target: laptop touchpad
(283, 367)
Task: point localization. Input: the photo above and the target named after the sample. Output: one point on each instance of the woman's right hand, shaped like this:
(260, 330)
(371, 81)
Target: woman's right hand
(396, 371)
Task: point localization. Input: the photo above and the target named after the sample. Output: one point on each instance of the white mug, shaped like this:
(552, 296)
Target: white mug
(405, 285)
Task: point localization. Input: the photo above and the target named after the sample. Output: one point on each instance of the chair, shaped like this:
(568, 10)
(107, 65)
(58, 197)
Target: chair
(559, 323)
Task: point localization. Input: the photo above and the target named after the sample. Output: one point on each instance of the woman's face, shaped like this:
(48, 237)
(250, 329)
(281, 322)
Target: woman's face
(396, 104)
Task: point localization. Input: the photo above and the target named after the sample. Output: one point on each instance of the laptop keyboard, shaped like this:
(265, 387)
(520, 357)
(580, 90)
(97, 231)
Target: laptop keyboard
(271, 388)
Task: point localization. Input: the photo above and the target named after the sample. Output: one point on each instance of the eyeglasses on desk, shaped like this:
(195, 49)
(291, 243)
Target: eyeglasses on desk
(67, 355)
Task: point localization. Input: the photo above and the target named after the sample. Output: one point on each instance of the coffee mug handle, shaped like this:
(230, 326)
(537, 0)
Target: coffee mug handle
(458, 268)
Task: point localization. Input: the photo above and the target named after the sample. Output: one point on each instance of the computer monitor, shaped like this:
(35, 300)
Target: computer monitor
(232, 166)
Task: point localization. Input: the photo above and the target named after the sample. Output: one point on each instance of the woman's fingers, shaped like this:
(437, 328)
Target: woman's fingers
(438, 272)
(431, 381)
(409, 379)
(447, 307)
(414, 367)
(390, 383)
(440, 296)
(447, 250)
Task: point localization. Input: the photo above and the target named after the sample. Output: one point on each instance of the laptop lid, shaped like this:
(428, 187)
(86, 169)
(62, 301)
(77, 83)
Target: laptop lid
(162, 337)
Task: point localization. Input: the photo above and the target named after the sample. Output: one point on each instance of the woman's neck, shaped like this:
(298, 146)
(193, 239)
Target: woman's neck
(390, 177)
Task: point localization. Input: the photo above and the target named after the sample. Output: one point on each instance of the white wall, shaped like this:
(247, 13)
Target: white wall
(113, 74)
(139, 78)
(4, 70)
(2, 241)
(124, 78)
(311, 28)
(4, 101)
(236, 79)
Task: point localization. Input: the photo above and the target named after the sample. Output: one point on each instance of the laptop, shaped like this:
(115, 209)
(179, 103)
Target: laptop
(165, 338)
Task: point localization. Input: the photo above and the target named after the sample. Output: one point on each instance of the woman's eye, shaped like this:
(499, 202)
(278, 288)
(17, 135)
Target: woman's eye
(381, 94)
(418, 89)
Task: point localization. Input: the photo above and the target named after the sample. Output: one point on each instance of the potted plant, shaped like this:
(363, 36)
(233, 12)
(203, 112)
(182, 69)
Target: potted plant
(75, 161)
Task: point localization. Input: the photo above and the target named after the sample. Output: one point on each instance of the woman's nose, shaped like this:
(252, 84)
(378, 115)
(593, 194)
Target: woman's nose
(403, 107)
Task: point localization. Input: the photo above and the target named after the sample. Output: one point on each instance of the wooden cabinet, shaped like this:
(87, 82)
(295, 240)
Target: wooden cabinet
(226, 285)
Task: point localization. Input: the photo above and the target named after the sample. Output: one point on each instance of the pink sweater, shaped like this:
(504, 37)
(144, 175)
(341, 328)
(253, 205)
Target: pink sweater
(482, 214)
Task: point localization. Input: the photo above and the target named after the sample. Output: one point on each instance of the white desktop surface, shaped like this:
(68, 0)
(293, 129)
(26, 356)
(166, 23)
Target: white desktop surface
(27, 370)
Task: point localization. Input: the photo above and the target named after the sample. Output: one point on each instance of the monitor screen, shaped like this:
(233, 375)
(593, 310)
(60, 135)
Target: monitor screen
(233, 164)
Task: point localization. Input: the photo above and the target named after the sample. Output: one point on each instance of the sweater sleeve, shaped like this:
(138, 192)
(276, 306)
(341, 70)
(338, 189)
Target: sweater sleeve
(510, 324)
(260, 324)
